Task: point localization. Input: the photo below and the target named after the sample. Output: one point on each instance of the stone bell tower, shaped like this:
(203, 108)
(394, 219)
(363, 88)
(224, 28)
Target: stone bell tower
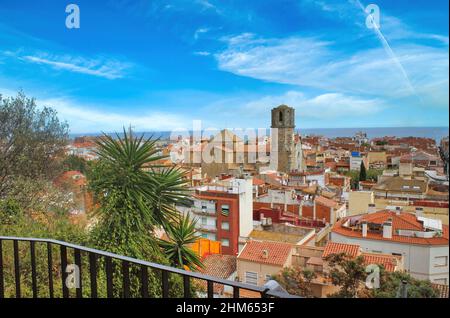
(282, 154)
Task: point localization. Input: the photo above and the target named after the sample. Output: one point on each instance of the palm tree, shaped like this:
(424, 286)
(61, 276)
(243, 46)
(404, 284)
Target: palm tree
(134, 196)
(181, 234)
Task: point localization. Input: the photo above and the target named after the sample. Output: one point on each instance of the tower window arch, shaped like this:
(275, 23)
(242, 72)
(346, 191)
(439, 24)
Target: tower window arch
(280, 116)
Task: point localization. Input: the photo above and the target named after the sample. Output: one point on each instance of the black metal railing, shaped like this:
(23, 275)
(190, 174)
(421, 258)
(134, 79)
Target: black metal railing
(91, 258)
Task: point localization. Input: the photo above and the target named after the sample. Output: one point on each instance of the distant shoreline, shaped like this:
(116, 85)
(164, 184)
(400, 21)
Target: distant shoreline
(436, 133)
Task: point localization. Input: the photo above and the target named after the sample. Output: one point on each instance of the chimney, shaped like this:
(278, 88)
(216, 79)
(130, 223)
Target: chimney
(419, 211)
(398, 210)
(364, 229)
(371, 208)
(265, 254)
(387, 229)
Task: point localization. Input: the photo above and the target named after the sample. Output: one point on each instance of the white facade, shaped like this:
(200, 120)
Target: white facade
(355, 163)
(426, 262)
(245, 187)
(318, 179)
(275, 196)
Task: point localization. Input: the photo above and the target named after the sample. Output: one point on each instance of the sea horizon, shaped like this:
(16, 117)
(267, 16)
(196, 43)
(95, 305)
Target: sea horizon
(436, 133)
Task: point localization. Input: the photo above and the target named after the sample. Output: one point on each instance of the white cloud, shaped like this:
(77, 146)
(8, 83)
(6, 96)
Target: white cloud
(100, 67)
(324, 106)
(320, 64)
(200, 31)
(202, 53)
(207, 5)
(92, 119)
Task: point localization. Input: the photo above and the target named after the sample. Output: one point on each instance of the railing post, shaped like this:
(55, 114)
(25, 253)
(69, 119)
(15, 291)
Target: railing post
(144, 281)
(165, 284)
(126, 279)
(65, 290)
(77, 255)
(33, 269)
(93, 274)
(235, 292)
(210, 289)
(2, 287)
(50, 269)
(187, 286)
(16, 267)
(109, 277)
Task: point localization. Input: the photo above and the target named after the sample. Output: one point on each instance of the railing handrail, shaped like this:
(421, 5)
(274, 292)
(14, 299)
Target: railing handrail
(174, 270)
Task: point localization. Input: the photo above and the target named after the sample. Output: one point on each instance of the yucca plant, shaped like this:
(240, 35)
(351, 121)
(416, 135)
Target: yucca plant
(181, 234)
(134, 197)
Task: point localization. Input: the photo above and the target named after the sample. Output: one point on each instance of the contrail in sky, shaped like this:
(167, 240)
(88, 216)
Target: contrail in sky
(389, 50)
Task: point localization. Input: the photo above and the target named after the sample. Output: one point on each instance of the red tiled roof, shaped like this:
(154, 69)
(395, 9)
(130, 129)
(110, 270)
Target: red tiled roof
(389, 262)
(257, 181)
(221, 266)
(277, 253)
(402, 221)
(442, 289)
(351, 250)
(326, 202)
(73, 177)
(217, 265)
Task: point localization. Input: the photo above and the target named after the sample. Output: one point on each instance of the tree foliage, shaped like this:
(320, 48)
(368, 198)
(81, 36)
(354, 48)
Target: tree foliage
(75, 163)
(135, 198)
(296, 281)
(362, 172)
(32, 141)
(350, 275)
(390, 285)
(181, 234)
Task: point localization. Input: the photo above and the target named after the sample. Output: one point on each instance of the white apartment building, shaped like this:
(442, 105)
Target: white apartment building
(224, 212)
(422, 242)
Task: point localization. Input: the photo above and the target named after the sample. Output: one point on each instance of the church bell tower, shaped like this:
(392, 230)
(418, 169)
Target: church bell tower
(282, 155)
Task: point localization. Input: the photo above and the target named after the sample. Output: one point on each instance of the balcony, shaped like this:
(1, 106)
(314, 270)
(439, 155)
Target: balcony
(206, 227)
(210, 212)
(89, 272)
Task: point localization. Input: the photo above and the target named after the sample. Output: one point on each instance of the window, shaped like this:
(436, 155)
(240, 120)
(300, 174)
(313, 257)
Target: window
(440, 261)
(225, 210)
(251, 278)
(204, 220)
(280, 116)
(204, 235)
(225, 242)
(225, 226)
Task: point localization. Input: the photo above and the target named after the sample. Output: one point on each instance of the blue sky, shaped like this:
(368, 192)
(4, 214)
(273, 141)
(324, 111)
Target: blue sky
(158, 65)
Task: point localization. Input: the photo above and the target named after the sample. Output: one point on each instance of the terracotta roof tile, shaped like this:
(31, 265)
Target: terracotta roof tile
(221, 266)
(442, 289)
(389, 262)
(257, 181)
(402, 221)
(351, 250)
(326, 202)
(277, 253)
